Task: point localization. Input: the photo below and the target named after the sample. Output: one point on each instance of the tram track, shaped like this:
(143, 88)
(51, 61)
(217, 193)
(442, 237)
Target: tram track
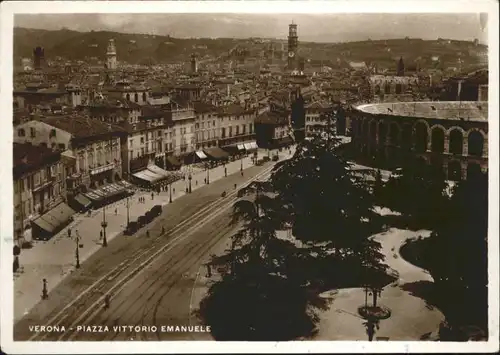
(83, 307)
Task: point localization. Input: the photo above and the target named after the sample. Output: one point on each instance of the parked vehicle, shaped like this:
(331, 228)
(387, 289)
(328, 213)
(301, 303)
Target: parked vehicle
(265, 159)
(156, 210)
(132, 227)
(149, 216)
(142, 221)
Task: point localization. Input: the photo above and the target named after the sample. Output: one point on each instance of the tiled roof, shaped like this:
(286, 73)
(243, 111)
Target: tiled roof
(203, 107)
(27, 158)
(270, 117)
(81, 127)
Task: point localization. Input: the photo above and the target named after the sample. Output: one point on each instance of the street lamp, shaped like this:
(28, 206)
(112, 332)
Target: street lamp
(45, 295)
(77, 253)
(190, 178)
(128, 214)
(208, 173)
(104, 224)
(241, 166)
(225, 170)
(170, 199)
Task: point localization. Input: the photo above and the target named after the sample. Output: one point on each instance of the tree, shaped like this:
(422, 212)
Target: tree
(418, 191)
(263, 295)
(270, 288)
(457, 255)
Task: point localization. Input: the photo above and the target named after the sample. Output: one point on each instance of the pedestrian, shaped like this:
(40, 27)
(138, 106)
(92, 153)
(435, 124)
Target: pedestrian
(106, 302)
(196, 182)
(235, 186)
(205, 180)
(116, 211)
(174, 190)
(163, 230)
(152, 195)
(100, 234)
(147, 233)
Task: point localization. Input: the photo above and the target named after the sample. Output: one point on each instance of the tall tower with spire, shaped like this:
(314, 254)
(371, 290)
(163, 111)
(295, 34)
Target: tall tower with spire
(293, 44)
(111, 55)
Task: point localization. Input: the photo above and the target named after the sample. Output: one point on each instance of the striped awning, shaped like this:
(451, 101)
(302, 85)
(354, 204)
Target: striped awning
(241, 147)
(55, 218)
(200, 154)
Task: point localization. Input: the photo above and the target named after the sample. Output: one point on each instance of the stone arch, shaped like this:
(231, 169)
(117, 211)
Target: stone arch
(421, 136)
(456, 141)
(454, 170)
(382, 133)
(399, 88)
(373, 131)
(437, 139)
(365, 128)
(387, 88)
(407, 136)
(473, 170)
(475, 143)
(394, 134)
(127, 96)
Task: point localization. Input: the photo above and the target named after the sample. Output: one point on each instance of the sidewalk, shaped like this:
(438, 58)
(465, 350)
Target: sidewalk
(55, 258)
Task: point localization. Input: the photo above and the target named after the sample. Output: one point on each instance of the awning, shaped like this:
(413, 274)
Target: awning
(173, 161)
(141, 175)
(148, 175)
(93, 196)
(241, 147)
(82, 200)
(253, 145)
(157, 170)
(201, 155)
(55, 218)
(216, 153)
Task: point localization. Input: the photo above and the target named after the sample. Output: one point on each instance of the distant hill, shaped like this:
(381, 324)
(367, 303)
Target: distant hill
(147, 48)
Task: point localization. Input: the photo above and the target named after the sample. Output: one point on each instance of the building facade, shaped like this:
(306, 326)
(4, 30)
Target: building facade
(92, 150)
(38, 185)
(451, 136)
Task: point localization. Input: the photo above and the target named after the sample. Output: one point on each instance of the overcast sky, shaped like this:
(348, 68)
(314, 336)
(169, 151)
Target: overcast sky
(311, 27)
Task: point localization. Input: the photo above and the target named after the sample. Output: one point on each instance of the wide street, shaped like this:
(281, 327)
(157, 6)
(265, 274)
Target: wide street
(145, 277)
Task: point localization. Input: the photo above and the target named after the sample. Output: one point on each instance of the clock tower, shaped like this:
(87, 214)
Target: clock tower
(293, 43)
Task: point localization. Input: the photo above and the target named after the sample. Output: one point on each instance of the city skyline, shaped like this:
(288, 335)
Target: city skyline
(312, 27)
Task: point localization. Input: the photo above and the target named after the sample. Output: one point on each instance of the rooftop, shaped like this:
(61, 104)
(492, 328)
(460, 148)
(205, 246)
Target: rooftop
(448, 110)
(81, 127)
(27, 157)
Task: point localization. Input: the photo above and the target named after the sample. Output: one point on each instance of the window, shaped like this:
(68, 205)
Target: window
(136, 97)
(33, 132)
(128, 97)
(144, 97)
(142, 140)
(213, 123)
(21, 132)
(52, 133)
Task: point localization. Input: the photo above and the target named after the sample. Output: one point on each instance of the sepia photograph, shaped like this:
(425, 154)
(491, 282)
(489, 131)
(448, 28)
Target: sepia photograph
(280, 174)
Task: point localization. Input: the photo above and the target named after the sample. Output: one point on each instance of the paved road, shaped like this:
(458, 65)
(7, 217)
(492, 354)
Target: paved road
(194, 223)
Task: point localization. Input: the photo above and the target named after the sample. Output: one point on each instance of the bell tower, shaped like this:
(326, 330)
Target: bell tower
(111, 55)
(293, 43)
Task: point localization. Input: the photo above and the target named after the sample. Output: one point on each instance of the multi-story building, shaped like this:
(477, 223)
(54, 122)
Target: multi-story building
(181, 129)
(272, 129)
(92, 149)
(235, 125)
(35, 94)
(135, 93)
(38, 187)
(315, 117)
(206, 125)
